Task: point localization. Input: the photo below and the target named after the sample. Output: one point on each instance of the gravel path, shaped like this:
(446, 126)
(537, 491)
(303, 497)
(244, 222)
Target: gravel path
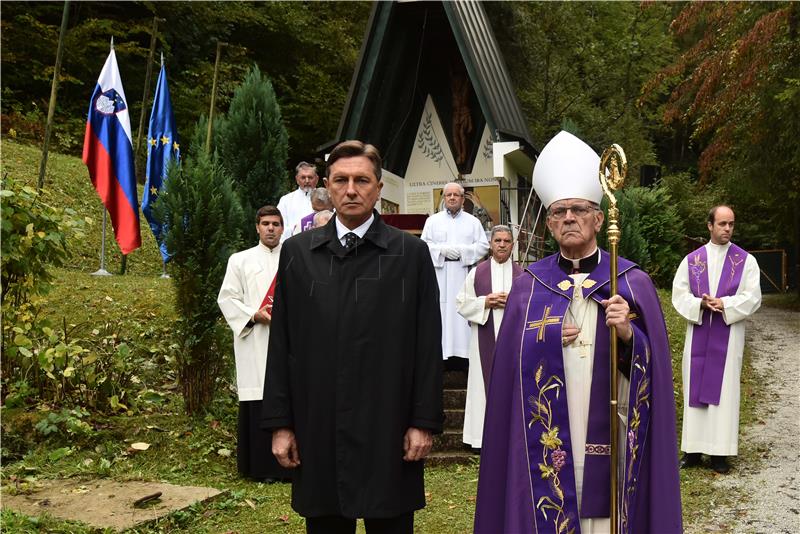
(772, 483)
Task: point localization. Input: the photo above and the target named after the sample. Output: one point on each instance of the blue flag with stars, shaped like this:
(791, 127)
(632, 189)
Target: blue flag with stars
(162, 147)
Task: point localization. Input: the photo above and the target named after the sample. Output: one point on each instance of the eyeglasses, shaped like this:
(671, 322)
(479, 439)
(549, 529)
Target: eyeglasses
(578, 210)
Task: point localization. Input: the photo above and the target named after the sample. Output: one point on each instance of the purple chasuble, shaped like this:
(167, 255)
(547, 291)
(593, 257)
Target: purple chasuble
(527, 474)
(483, 286)
(307, 222)
(710, 338)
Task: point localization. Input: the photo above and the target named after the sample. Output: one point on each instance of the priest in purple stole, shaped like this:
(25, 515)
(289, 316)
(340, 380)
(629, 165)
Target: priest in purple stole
(715, 288)
(545, 461)
(481, 301)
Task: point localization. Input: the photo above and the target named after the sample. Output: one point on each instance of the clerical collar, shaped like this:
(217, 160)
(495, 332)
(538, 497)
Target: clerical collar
(582, 265)
(713, 245)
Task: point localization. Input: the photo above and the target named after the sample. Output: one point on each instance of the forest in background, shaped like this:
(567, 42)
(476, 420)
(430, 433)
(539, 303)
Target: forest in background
(707, 91)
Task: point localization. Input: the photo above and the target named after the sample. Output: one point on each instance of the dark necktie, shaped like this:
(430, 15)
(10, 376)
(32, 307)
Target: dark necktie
(350, 240)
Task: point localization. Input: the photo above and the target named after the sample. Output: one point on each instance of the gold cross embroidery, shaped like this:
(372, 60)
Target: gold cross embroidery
(543, 322)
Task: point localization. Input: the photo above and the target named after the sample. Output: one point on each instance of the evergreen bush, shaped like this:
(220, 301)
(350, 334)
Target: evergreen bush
(205, 220)
(252, 144)
(652, 232)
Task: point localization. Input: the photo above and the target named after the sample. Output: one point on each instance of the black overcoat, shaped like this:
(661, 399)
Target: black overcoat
(354, 360)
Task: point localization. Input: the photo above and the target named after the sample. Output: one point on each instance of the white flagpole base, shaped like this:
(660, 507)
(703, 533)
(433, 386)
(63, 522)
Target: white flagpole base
(101, 272)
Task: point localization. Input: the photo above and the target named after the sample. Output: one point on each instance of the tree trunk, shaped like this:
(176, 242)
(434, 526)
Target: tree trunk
(197, 383)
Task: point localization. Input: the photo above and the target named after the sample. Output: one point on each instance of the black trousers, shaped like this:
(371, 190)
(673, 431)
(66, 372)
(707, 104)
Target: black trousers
(336, 524)
(254, 457)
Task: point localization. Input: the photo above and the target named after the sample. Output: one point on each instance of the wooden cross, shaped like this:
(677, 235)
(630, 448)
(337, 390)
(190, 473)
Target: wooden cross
(543, 322)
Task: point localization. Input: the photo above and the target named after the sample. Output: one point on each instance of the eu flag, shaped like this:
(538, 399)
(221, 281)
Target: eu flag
(162, 147)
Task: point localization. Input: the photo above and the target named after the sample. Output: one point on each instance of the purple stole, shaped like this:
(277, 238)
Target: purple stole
(486, 340)
(546, 411)
(307, 222)
(710, 339)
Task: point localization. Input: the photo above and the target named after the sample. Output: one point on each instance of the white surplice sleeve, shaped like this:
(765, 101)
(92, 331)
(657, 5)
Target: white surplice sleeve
(748, 298)
(470, 306)
(684, 302)
(475, 251)
(231, 299)
(436, 249)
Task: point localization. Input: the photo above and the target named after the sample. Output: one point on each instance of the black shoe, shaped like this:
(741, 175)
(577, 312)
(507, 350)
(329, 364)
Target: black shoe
(691, 459)
(720, 464)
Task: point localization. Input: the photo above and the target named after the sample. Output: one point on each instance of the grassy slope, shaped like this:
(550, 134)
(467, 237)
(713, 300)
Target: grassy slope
(67, 185)
(185, 450)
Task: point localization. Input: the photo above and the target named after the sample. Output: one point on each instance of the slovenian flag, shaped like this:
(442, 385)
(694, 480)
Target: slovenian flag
(162, 147)
(108, 153)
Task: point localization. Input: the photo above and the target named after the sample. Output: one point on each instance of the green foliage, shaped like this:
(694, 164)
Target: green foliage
(68, 187)
(582, 65)
(66, 421)
(204, 218)
(730, 98)
(652, 232)
(34, 237)
(692, 200)
(308, 49)
(251, 142)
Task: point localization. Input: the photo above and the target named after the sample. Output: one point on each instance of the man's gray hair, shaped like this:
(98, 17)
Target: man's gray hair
(497, 228)
(458, 185)
(320, 194)
(305, 165)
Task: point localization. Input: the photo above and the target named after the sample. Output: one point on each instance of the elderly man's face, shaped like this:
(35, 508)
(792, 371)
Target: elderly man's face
(269, 230)
(574, 223)
(354, 189)
(501, 246)
(722, 228)
(453, 198)
(307, 178)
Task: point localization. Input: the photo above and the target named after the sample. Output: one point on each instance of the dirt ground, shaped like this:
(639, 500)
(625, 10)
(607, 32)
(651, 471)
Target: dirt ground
(770, 489)
(105, 503)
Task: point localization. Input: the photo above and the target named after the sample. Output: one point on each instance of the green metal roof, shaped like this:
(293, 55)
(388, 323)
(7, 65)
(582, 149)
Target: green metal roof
(404, 56)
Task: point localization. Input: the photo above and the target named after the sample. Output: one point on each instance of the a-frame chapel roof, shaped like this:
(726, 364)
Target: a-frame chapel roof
(408, 52)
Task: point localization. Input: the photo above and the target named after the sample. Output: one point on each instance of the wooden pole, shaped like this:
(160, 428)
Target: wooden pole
(213, 97)
(51, 110)
(148, 74)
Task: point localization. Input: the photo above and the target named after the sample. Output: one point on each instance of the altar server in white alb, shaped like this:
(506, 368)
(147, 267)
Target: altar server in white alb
(457, 242)
(715, 289)
(245, 299)
(481, 301)
(297, 204)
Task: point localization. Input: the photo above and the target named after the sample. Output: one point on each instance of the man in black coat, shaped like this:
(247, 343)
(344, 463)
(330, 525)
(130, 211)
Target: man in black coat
(353, 404)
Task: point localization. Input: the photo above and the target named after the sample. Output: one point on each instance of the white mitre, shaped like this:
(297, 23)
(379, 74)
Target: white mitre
(567, 168)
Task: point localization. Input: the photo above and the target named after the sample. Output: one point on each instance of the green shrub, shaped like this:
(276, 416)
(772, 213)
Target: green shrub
(652, 232)
(252, 144)
(34, 240)
(205, 221)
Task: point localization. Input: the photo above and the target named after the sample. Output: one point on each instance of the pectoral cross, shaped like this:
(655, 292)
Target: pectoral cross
(542, 323)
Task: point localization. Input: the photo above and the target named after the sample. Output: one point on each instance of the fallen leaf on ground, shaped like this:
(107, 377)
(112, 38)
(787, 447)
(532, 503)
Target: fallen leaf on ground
(140, 446)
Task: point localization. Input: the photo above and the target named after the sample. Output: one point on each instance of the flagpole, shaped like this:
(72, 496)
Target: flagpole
(102, 270)
(148, 74)
(613, 168)
(51, 110)
(213, 96)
